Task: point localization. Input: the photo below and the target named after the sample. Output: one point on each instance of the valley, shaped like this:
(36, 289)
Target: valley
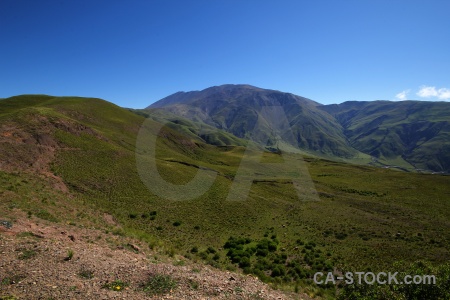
(71, 160)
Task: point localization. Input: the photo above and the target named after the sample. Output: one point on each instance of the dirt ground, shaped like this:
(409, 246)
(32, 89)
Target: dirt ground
(40, 260)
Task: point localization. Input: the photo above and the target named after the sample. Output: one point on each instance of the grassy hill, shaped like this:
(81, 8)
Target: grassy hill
(409, 134)
(238, 109)
(71, 160)
(194, 129)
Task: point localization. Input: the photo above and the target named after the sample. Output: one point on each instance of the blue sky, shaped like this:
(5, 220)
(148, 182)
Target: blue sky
(133, 53)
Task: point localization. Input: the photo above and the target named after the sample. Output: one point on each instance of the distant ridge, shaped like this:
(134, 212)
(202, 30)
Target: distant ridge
(235, 108)
(410, 135)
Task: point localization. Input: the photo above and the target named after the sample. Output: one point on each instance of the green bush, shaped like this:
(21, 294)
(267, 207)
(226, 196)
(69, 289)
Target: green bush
(244, 262)
(440, 290)
(211, 250)
(159, 284)
(45, 215)
(27, 254)
(278, 270)
(86, 273)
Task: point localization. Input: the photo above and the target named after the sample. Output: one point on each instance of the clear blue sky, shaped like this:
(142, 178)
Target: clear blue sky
(133, 53)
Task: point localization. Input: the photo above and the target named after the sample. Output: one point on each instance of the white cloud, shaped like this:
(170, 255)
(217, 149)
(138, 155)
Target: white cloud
(402, 95)
(431, 91)
(444, 94)
(427, 91)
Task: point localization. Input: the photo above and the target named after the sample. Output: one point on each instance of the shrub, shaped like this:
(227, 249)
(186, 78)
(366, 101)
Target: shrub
(159, 284)
(340, 235)
(440, 290)
(69, 255)
(45, 215)
(12, 279)
(8, 298)
(27, 254)
(278, 270)
(211, 250)
(244, 262)
(85, 273)
(203, 255)
(262, 252)
(272, 247)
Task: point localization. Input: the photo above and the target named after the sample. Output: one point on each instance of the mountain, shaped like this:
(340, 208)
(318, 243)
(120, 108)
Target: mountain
(72, 182)
(407, 132)
(409, 135)
(194, 129)
(238, 109)
(73, 208)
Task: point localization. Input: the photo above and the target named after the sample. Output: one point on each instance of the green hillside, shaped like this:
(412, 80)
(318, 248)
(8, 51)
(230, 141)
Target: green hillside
(194, 129)
(238, 109)
(409, 134)
(71, 159)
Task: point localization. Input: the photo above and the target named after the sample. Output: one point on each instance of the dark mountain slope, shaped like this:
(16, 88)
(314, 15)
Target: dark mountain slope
(196, 130)
(237, 108)
(414, 131)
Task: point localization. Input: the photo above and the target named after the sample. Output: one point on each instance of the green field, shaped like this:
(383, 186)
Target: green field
(365, 218)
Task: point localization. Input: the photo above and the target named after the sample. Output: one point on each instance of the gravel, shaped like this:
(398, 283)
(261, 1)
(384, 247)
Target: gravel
(35, 263)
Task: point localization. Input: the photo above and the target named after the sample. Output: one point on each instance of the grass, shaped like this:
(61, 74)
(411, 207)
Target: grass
(13, 279)
(159, 284)
(116, 285)
(86, 273)
(69, 256)
(438, 290)
(405, 134)
(27, 254)
(25, 234)
(367, 217)
(193, 284)
(10, 297)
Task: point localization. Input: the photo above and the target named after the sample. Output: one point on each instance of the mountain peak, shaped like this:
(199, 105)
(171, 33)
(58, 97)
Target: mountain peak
(235, 91)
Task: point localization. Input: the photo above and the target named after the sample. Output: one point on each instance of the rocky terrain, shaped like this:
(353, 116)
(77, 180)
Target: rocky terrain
(40, 260)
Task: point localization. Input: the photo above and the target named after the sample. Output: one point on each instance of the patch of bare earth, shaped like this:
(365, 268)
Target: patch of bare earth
(33, 148)
(35, 263)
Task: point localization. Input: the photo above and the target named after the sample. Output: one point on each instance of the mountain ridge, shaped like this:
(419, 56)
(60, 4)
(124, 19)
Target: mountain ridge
(349, 130)
(74, 164)
(237, 108)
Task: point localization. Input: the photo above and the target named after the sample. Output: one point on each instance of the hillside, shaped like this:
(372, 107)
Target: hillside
(197, 130)
(68, 161)
(67, 171)
(407, 135)
(237, 108)
(44, 260)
